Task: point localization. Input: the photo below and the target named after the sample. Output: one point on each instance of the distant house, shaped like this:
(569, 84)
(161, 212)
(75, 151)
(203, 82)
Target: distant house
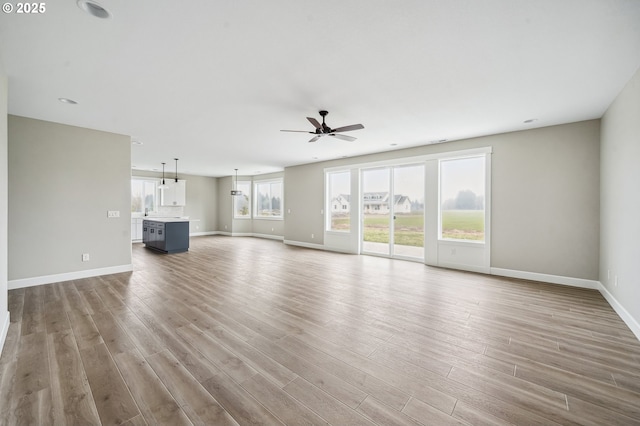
(341, 204)
(373, 203)
(378, 203)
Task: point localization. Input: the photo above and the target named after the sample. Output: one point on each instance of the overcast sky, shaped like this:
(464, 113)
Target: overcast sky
(457, 175)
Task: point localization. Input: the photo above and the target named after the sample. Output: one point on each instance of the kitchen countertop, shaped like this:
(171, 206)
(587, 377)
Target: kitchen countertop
(166, 219)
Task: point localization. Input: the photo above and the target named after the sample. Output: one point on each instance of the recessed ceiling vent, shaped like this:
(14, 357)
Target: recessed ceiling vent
(94, 9)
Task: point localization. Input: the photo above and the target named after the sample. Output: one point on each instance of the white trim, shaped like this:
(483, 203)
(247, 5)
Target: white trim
(250, 234)
(465, 267)
(268, 236)
(415, 159)
(201, 234)
(620, 310)
(547, 278)
(67, 276)
(4, 330)
(309, 245)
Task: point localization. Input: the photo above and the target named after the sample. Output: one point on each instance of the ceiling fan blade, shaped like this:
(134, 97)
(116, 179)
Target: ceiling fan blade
(315, 122)
(298, 131)
(349, 128)
(343, 137)
(315, 138)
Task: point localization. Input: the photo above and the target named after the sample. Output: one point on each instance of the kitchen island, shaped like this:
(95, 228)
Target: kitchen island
(166, 235)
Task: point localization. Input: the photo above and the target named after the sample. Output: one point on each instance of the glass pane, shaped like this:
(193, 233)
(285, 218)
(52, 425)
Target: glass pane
(150, 196)
(375, 210)
(143, 195)
(136, 196)
(408, 211)
(462, 192)
(242, 203)
(269, 199)
(339, 201)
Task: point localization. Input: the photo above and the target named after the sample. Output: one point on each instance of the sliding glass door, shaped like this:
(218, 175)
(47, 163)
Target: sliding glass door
(393, 211)
(408, 211)
(376, 211)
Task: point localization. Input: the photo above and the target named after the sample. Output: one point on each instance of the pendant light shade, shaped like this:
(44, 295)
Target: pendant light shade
(163, 185)
(235, 191)
(176, 169)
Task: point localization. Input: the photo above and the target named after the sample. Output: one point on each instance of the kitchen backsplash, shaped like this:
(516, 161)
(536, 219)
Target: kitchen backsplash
(169, 211)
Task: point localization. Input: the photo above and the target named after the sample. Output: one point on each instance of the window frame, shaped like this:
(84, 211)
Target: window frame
(256, 192)
(249, 214)
(486, 196)
(155, 193)
(329, 204)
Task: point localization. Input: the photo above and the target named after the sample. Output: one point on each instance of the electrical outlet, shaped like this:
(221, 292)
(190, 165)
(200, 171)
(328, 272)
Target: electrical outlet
(85, 257)
(312, 236)
(615, 280)
(271, 229)
(113, 213)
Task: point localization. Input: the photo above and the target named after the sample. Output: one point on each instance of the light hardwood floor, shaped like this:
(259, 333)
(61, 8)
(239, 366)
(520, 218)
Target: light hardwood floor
(251, 331)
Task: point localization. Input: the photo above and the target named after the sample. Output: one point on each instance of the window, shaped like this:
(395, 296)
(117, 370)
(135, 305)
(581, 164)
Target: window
(268, 199)
(462, 195)
(143, 195)
(339, 196)
(242, 203)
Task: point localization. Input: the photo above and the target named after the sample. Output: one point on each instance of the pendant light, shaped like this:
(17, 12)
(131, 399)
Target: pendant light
(235, 191)
(163, 185)
(176, 169)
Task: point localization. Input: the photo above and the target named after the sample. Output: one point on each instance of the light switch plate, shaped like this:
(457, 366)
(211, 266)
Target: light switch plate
(113, 213)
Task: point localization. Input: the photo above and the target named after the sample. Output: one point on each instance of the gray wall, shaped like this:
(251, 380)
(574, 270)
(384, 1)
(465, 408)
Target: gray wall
(545, 197)
(4, 202)
(620, 203)
(227, 223)
(62, 182)
(202, 195)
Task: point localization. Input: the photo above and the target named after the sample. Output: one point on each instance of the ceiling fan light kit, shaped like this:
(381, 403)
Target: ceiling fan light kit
(322, 129)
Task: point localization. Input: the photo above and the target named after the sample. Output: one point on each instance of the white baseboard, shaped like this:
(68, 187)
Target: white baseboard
(67, 276)
(269, 236)
(5, 321)
(249, 234)
(547, 278)
(631, 322)
(307, 245)
(202, 234)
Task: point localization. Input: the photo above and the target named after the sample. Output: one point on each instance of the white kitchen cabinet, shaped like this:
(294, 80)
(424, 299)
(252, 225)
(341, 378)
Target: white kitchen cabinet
(175, 194)
(136, 229)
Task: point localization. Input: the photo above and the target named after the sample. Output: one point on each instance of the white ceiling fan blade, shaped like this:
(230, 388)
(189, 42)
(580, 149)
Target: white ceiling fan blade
(349, 128)
(344, 137)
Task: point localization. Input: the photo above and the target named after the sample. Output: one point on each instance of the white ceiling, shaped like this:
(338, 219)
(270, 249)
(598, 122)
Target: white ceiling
(213, 82)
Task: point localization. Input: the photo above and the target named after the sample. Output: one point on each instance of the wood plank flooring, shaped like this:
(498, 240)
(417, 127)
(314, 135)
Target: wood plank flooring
(251, 331)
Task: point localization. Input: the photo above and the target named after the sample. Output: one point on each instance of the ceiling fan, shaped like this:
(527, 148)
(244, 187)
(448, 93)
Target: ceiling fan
(324, 130)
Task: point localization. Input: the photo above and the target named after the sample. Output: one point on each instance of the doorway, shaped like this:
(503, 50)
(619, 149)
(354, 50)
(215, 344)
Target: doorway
(393, 211)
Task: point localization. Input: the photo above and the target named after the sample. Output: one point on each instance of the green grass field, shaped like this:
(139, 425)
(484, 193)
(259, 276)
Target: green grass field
(463, 224)
(409, 229)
